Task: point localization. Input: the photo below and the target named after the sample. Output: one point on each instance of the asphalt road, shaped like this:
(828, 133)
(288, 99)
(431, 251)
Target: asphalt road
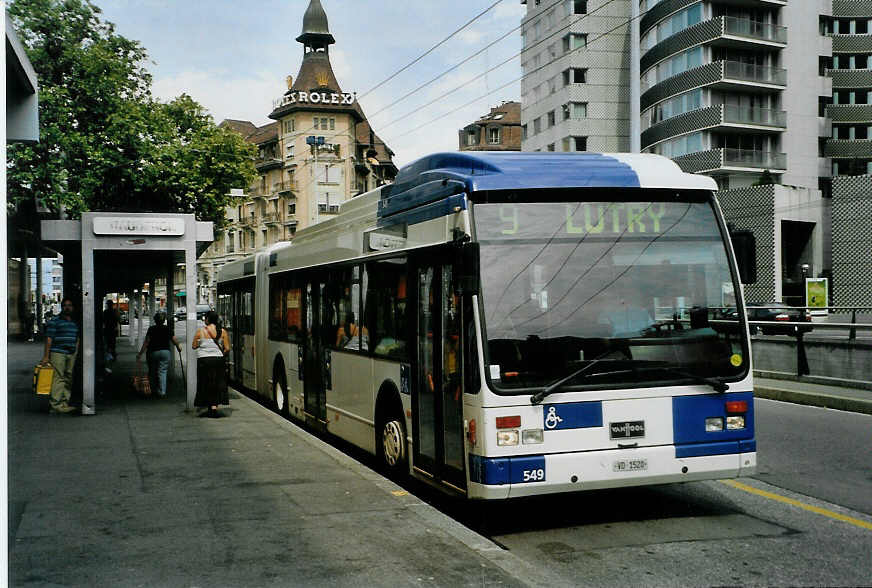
(816, 451)
(782, 527)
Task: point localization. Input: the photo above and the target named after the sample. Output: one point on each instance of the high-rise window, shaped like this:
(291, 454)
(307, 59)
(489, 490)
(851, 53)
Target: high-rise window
(551, 119)
(537, 126)
(575, 6)
(574, 75)
(574, 41)
(575, 110)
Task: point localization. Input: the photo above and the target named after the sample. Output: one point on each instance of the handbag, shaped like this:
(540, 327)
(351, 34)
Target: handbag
(140, 382)
(42, 379)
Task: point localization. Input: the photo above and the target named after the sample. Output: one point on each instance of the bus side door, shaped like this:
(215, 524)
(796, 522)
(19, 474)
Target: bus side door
(437, 398)
(315, 355)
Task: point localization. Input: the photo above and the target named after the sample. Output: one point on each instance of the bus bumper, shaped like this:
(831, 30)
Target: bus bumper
(500, 478)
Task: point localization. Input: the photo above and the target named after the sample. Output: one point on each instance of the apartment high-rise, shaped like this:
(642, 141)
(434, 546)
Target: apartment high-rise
(739, 90)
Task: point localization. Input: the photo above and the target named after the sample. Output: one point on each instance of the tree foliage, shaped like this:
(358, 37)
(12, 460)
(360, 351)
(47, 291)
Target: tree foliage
(105, 142)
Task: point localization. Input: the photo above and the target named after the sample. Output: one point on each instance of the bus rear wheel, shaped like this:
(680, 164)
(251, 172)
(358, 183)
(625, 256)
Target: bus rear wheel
(280, 393)
(391, 443)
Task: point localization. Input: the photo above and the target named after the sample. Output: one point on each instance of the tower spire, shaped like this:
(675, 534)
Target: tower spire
(316, 31)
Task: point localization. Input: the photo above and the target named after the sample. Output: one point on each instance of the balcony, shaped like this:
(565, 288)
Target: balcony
(249, 221)
(852, 43)
(851, 78)
(732, 160)
(720, 75)
(855, 113)
(290, 219)
(270, 218)
(758, 117)
(849, 148)
(723, 117)
(263, 164)
(723, 31)
(285, 187)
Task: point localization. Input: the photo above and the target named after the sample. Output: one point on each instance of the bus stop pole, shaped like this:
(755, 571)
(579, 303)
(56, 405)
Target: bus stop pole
(191, 320)
(801, 358)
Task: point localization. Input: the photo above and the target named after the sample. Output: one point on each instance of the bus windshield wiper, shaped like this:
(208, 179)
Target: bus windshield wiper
(541, 394)
(718, 385)
(715, 383)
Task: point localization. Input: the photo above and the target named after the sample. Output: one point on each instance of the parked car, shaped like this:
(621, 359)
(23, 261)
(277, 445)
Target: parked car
(201, 311)
(778, 312)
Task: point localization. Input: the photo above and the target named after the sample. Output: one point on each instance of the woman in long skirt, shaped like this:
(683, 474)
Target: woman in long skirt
(212, 344)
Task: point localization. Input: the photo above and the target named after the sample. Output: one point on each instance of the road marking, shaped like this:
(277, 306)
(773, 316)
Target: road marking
(802, 505)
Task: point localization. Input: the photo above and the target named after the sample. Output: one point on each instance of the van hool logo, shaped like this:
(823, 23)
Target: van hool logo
(627, 429)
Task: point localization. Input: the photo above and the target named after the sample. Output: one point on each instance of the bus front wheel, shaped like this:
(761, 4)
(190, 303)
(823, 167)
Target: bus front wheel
(392, 442)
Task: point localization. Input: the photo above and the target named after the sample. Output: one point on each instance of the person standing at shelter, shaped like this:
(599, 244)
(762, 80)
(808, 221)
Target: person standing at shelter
(111, 330)
(157, 343)
(61, 349)
(212, 344)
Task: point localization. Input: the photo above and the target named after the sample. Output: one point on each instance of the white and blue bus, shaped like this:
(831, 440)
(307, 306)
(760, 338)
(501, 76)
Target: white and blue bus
(511, 324)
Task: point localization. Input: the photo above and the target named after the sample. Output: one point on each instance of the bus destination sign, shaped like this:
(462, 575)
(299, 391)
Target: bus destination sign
(119, 225)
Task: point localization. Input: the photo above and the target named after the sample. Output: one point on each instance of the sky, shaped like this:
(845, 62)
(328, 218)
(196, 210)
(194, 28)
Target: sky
(233, 57)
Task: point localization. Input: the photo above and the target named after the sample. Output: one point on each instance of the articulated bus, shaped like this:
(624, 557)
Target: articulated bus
(511, 324)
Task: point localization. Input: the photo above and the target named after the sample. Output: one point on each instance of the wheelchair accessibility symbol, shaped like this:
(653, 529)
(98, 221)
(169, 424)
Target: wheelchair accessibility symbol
(552, 420)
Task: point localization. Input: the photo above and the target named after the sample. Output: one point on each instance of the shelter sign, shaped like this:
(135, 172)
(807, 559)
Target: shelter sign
(817, 295)
(119, 225)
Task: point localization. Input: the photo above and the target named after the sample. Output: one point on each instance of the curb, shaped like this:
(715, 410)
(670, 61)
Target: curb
(815, 399)
(516, 567)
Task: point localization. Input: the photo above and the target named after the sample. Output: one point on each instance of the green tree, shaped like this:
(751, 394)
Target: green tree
(105, 143)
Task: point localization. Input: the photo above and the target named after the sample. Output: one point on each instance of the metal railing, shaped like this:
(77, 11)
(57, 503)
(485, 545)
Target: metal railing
(754, 158)
(750, 72)
(745, 27)
(754, 116)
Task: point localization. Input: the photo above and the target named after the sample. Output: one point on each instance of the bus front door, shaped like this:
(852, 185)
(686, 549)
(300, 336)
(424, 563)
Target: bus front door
(437, 399)
(314, 358)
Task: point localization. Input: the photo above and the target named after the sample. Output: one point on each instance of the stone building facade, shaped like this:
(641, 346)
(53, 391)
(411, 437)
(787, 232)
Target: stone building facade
(318, 152)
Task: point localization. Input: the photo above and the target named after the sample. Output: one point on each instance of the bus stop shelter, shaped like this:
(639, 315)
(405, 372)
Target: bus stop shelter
(119, 253)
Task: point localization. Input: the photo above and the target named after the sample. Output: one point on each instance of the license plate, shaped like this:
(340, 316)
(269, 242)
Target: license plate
(630, 465)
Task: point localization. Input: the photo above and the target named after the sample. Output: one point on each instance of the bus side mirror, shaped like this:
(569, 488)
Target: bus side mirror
(745, 248)
(468, 268)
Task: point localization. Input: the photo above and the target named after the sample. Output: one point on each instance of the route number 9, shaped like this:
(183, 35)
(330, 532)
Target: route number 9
(534, 475)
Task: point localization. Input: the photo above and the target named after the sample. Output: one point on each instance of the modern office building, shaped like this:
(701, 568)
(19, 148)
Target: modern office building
(498, 130)
(318, 152)
(739, 90)
(575, 85)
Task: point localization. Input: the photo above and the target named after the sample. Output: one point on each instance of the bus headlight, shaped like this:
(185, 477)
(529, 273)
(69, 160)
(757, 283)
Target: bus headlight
(713, 424)
(532, 436)
(507, 437)
(736, 422)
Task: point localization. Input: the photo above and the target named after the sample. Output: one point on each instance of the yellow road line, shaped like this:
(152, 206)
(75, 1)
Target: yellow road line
(802, 505)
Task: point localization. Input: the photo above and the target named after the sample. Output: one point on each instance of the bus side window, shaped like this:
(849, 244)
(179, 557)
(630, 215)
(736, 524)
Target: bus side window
(386, 318)
(276, 307)
(472, 380)
(293, 310)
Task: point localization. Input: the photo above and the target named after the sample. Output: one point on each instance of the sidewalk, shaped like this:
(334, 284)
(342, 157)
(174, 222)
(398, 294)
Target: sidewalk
(146, 494)
(814, 391)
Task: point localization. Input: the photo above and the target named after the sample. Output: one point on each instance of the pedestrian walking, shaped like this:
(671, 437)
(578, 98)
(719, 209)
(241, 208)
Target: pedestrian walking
(212, 345)
(61, 348)
(111, 330)
(157, 349)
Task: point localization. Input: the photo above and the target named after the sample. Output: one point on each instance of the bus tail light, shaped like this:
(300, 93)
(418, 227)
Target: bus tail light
(736, 407)
(509, 422)
(736, 410)
(508, 437)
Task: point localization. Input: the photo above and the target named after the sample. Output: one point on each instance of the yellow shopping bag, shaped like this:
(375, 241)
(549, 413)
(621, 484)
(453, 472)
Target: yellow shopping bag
(42, 379)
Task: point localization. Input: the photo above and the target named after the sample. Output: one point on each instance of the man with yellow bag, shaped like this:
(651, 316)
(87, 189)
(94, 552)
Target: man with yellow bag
(61, 348)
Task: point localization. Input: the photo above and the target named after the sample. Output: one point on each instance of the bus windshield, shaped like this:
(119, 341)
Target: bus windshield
(639, 292)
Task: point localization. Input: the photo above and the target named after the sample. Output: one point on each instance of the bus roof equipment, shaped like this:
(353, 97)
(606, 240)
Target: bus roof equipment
(441, 175)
